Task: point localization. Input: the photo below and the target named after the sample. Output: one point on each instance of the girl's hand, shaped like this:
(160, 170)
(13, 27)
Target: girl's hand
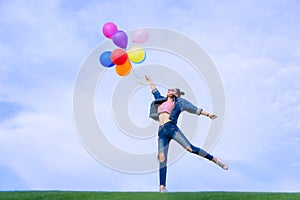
(212, 116)
(148, 78)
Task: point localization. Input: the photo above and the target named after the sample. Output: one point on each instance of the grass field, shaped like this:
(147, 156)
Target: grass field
(62, 195)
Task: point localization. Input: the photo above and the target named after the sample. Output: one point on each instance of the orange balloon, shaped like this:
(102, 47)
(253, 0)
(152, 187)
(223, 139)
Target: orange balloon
(124, 70)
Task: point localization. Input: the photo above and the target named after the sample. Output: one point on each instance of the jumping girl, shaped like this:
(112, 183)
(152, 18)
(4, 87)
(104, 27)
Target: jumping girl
(166, 110)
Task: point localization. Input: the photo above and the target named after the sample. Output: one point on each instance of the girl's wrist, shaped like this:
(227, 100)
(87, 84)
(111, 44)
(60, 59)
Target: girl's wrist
(205, 113)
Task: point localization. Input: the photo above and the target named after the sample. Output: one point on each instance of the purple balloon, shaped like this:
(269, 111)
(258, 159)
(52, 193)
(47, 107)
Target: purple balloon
(120, 39)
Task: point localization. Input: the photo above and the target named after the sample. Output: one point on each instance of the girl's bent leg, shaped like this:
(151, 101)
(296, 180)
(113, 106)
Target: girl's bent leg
(185, 143)
(200, 152)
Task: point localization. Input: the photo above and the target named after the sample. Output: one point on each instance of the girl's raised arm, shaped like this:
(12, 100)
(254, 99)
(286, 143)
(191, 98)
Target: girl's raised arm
(152, 86)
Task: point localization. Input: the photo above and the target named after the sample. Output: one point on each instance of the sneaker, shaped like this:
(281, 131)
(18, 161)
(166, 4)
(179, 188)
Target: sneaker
(162, 189)
(221, 163)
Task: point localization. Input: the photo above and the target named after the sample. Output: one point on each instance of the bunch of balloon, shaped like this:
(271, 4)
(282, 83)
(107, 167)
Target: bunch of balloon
(119, 56)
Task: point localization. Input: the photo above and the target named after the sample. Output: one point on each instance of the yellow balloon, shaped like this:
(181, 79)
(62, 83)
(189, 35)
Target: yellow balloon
(136, 54)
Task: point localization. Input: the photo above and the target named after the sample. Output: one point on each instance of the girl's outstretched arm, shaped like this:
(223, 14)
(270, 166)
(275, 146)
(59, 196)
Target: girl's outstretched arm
(211, 116)
(152, 85)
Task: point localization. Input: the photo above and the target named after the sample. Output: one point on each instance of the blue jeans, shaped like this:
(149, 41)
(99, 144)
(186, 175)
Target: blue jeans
(166, 133)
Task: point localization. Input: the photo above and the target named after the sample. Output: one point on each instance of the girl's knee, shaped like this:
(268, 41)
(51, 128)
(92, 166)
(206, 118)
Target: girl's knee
(161, 157)
(189, 148)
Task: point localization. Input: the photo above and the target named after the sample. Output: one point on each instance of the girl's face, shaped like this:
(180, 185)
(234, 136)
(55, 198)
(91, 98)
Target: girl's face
(171, 92)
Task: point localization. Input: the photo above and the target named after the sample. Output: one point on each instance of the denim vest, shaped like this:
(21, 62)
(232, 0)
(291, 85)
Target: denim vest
(180, 105)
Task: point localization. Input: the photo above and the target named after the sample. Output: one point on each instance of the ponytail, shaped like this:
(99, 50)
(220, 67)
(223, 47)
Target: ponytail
(179, 93)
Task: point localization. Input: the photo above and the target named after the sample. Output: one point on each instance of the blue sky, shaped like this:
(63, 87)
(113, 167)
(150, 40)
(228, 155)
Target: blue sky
(254, 44)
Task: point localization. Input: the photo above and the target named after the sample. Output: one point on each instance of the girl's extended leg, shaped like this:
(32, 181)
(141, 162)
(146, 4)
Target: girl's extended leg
(163, 147)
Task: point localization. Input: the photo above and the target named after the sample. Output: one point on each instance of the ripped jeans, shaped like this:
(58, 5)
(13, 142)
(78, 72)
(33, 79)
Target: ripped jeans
(166, 133)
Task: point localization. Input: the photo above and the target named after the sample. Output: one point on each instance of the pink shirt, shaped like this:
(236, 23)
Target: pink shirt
(166, 106)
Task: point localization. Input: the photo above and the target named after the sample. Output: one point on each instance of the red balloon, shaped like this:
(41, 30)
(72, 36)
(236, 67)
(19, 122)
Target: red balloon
(119, 56)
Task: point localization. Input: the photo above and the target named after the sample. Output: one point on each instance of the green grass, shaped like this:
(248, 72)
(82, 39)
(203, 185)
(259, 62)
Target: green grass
(62, 195)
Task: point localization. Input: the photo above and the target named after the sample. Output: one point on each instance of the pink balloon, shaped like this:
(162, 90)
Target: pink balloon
(109, 29)
(120, 39)
(140, 36)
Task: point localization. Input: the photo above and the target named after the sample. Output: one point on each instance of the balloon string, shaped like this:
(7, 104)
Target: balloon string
(139, 77)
